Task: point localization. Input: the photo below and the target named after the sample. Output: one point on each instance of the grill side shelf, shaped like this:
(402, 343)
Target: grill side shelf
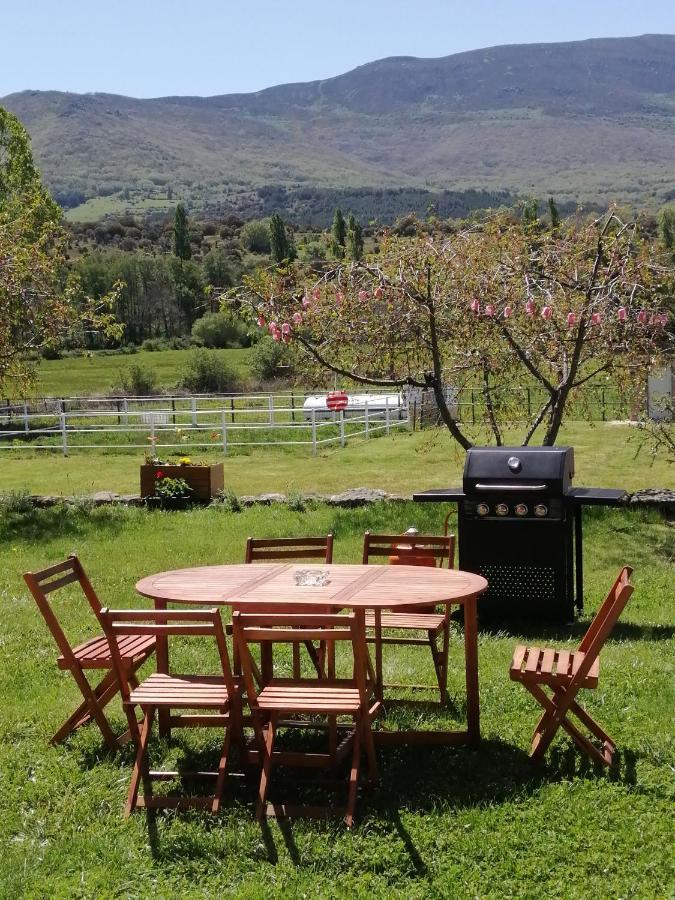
(596, 496)
(439, 495)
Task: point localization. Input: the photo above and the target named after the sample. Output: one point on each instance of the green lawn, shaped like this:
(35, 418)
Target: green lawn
(605, 456)
(81, 376)
(442, 823)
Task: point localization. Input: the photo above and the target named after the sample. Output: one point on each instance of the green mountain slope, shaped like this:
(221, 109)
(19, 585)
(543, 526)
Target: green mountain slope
(589, 120)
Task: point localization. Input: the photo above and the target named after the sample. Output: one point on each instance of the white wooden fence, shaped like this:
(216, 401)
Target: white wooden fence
(187, 423)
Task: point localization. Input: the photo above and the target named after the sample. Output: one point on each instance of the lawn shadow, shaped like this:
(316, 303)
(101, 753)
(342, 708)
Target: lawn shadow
(550, 633)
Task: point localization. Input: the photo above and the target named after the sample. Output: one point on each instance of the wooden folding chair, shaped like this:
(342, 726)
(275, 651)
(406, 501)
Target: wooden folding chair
(169, 691)
(412, 550)
(565, 672)
(292, 550)
(307, 697)
(93, 653)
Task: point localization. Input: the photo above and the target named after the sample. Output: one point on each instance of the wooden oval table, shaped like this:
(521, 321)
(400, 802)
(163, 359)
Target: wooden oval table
(356, 587)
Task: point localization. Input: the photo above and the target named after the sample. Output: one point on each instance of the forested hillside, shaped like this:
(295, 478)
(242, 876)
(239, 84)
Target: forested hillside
(585, 121)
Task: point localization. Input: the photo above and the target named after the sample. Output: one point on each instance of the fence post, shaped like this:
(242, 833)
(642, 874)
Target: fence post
(232, 409)
(292, 407)
(125, 407)
(411, 424)
(25, 417)
(473, 408)
(342, 427)
(271, 405)
(387, 418)
(64, 433)
(367, 418)
(224, 429)
(152, 434)
(602, 400)
(313, 432)
(193, 405)
(173, 411)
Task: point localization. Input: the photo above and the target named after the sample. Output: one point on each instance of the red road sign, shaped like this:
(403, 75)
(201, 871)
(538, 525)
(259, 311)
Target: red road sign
(337, 400)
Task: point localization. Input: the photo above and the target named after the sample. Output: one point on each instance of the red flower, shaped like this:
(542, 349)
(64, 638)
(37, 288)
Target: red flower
(159, 474)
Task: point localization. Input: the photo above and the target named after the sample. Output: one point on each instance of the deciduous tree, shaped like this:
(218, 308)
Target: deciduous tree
(496, 307)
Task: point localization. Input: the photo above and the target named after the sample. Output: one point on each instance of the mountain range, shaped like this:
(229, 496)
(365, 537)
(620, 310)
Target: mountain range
(588, 121)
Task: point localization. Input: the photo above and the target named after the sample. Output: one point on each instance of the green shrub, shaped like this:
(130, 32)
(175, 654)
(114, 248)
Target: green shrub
(266, 358)
(137, 381)
(255, 236)
(220, 330)
(153, 345)
(206, 372)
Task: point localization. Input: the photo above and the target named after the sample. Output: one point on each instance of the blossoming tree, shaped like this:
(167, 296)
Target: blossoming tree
(495, 307)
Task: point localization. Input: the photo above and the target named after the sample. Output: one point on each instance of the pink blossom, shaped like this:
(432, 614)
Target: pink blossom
(529, 308)
(339, 297)
(316, 294)
(276, 335)
(571, 319)
(663, 319)
(285, 328)
(622, 314)
(286, 338)
(363, 296)
(546, 312)
(261, 321)
(378, 293)
(489, 310)
(508, 312)
(642, 317)
(296, 318)
(272, 327)
(305, 301)
(475, 306)
(596, 318)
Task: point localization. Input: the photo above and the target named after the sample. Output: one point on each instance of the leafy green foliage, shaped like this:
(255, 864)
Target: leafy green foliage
(167, 488)
(354, 239)
(266, 357)
(220, 330)
(207, 372)
(255, 236)
(282, 247)
(137, 381)
(181, 234)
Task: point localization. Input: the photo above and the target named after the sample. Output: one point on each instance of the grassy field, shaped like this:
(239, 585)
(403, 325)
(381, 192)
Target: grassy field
(442, 823)
(82, 376)
(605, 455)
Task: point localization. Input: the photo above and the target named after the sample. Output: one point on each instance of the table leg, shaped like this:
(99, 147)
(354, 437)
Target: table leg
(162, 658)
(471, 669)
(379, 687)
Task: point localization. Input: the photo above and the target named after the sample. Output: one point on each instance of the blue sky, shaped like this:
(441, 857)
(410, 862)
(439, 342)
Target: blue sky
(148, 48)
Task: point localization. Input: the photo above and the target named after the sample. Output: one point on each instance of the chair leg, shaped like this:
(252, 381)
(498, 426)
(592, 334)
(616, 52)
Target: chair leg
(222, 769)
(267, 750)
(104, 691)
(296, 661)
(547, 725)
(369, 741)
(140, 770)
(439, 658)
(94, 705)
(354, 774)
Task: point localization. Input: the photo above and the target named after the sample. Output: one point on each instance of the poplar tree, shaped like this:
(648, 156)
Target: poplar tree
(354, 239)
(281, 245)
(181, 234)
(339, 232)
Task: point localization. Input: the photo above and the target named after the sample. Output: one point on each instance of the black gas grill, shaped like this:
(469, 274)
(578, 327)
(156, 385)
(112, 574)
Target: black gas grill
(520, 526)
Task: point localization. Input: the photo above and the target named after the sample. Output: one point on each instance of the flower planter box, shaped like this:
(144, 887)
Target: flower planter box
(205, 481)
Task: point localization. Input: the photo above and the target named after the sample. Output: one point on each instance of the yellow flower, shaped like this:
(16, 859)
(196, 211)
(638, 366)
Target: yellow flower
(184, 461)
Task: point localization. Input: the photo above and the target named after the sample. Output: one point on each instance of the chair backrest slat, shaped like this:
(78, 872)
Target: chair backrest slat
(416, 546)
(258, 549)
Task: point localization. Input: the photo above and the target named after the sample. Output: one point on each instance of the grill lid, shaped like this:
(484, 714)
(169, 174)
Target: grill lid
(497, 469)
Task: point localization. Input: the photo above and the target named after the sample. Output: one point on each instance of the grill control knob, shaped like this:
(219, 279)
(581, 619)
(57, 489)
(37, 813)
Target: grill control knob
(502, 509)
(482, 509)
(540, 510)
(521, 509)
